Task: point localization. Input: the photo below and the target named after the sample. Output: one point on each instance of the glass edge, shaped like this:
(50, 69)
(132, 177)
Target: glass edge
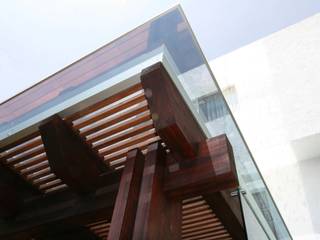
(231, 114)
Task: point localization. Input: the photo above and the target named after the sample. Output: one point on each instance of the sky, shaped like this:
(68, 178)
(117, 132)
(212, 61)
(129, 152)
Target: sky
(39, 37)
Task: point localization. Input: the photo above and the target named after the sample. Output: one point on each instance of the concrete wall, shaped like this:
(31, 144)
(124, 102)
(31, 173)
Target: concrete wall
(277, 107)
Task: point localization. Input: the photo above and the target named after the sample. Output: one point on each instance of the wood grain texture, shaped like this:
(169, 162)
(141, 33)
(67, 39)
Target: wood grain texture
(172, 117)
(158, 217)
(124, 212)
(70, 158)
(212, 170)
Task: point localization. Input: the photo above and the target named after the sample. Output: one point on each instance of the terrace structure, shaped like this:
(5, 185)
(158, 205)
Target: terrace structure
(117, 146)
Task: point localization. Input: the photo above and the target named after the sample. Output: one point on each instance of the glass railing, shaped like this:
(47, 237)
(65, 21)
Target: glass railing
(170, 35)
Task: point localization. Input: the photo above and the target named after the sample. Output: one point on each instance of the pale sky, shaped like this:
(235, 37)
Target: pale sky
(39, 37)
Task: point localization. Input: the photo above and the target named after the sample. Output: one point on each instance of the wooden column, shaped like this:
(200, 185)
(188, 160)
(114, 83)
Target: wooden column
(124, 212)
(158, 217)
(70, 158)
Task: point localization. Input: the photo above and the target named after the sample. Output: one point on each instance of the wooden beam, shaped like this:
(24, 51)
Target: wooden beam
(227, 209)
(9, 201)
(70, 158)
(65, 207)
(212, 170)
(158, 217)
(124, 212)
(13, 190)
(197, 165)
(172, 117)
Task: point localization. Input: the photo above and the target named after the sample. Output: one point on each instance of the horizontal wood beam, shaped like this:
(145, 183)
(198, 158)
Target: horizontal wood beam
(13, 190)
(212, 170)
(65, 207)
(71, 159)
(172, 117)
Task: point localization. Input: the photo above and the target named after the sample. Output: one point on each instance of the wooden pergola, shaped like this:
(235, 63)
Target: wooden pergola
(135, 165)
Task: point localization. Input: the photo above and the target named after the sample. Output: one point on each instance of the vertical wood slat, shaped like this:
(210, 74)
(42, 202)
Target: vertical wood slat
(124, 212)
(158, 217)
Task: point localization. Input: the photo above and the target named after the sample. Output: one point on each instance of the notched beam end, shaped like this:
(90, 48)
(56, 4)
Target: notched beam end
(211, 171)
(70, 158)
(176, 141)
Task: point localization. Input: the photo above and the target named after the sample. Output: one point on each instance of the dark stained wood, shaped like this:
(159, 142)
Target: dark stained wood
(116, 119)
(158, 217)
(70, 158)
(67, 207)
(124, 212)
(122, 126)
(211, 171)
(104, 102)
(9, 201)
(62, 232)
(20, 141)
(220, 204)
(120, 106)
(198, 165)
(173, 119)
(13, 190)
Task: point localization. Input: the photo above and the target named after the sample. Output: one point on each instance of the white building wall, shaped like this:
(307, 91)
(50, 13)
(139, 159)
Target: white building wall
(277, 107)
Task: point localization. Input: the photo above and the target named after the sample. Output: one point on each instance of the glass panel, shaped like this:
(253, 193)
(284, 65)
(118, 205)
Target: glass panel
(172, 32)
(203, 91)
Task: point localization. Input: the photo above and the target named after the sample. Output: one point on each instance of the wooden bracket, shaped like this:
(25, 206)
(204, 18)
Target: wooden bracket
(212, 170)
(70, 158)
(200, 164)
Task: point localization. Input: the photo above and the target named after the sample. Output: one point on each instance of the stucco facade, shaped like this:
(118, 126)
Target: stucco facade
(276, 102)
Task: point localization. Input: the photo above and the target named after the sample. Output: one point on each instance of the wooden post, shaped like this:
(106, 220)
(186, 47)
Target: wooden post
(158, 217)
(124, 212)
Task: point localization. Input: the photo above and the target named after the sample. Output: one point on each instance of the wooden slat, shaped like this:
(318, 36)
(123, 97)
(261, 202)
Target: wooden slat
(20, 141)
(30, 162)
(122, 153)
(125, 124)
(39, 174)
(30, 154)
(48, 178)
(110, 111)
(103, 103)
(20, 149)
(128, 143)
(124, 135)
(35, 168)
(50, 184)
(115, 119)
